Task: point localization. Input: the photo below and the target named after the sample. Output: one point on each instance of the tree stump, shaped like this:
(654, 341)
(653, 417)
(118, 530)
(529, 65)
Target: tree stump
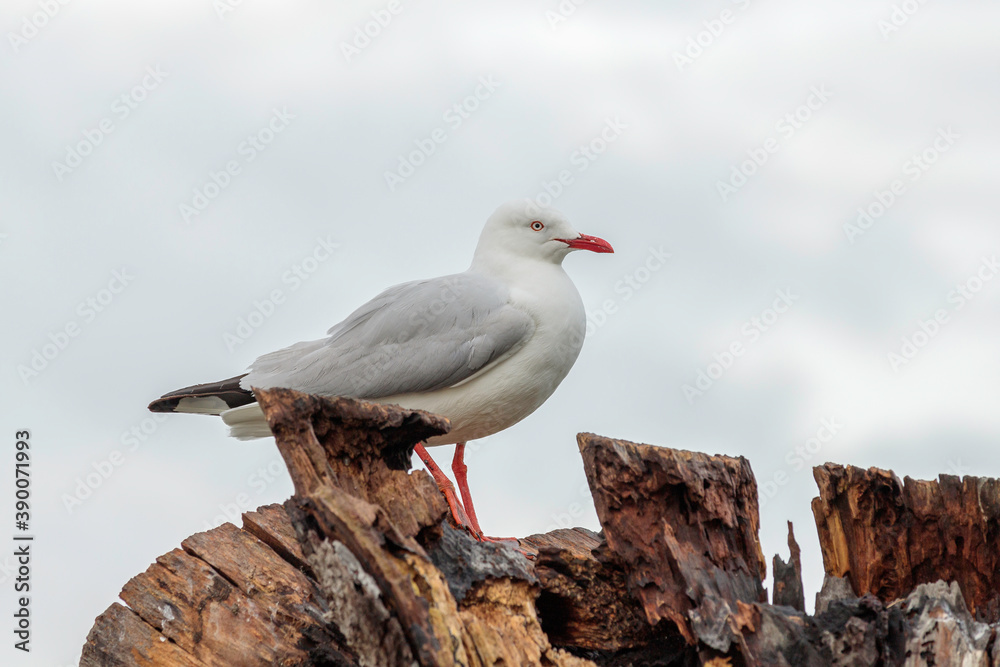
(888, 536)
(362, 567)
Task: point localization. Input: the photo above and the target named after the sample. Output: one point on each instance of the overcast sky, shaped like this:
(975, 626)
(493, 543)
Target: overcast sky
(809, 185)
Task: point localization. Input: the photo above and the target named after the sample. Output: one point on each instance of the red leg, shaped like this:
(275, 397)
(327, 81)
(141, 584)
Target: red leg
(448, 491)
(461, 476)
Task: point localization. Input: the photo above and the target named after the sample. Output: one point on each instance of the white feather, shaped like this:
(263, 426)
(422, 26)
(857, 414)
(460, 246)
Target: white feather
(246, 422)
(206, 405)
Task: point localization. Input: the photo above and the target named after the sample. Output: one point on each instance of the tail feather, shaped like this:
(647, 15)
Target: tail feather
(247, 422)
(212, 398)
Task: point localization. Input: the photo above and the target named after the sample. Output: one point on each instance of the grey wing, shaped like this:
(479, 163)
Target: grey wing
(415, 337)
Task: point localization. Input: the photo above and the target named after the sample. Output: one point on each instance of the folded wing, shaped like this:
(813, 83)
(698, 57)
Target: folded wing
(415, 337)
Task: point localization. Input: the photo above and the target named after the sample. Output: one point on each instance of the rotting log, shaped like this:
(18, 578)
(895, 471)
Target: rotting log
(888, 536)
(224, 598)
(581, 603)
(685, 524)
(362, 567)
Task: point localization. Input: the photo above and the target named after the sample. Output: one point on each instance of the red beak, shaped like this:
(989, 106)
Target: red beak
(585, 242)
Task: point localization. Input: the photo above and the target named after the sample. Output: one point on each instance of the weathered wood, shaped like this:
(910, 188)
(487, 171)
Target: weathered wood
(585, 603)
(684, 525)
(182, 597)
(788, 576)
(834, 589)
(331, 503)
(887, 537)
(339, 454)
(942, 631)
(270, 525)
(362, 567)
(227, 598)
(365, 453)
(120, 638)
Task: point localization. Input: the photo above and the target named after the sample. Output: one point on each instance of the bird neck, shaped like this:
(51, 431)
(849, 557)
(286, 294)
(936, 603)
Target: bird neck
(513, 268)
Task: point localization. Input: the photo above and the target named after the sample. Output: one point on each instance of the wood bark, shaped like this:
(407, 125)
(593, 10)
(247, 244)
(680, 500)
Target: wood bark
(362, 567)
(887, 536)
(686, 526)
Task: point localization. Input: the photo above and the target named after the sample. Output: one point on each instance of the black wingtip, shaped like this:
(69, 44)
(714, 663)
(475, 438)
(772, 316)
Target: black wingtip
(229, 391)
(164, 404)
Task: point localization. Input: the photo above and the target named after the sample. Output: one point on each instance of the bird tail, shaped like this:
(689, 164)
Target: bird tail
(246, 422)
(213, 398)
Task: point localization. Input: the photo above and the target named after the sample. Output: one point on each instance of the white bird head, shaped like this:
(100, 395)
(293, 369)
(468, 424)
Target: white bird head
(522, 228)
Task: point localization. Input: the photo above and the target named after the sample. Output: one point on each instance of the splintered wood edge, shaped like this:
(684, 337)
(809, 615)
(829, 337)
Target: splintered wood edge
(287, 407)
(266, 525)
(305, 422)
(121, 631)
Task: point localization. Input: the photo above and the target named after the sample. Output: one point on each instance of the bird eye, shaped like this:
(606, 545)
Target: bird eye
(537, 226)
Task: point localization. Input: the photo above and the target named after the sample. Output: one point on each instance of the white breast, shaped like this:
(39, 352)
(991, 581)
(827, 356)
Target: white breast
(508, 391)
